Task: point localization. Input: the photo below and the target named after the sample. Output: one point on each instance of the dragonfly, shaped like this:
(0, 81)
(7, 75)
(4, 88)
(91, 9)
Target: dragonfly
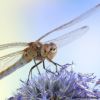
(40, 51)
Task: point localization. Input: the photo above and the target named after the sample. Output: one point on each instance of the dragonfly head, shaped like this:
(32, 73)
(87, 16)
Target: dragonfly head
(49, 50)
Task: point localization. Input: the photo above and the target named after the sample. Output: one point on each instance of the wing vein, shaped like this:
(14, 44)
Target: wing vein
(9, 45)
(69, 37)
(72, 22)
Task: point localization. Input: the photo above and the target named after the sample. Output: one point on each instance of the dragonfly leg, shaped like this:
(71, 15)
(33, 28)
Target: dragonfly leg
(32, 69)
(56, 64)
(37, 67)
(47, 69)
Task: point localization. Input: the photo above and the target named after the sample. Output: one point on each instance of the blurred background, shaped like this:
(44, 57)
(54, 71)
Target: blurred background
(27, 20)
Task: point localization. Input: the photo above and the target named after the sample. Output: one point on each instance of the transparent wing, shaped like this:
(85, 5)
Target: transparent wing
(69, 37)
(9, 45)
(74, 21)
(8, 60)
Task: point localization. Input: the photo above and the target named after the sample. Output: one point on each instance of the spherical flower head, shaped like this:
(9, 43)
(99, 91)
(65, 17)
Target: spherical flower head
(64, 85)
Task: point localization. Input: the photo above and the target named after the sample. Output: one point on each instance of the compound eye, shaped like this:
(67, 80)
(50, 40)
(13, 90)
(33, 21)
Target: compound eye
(53, 50)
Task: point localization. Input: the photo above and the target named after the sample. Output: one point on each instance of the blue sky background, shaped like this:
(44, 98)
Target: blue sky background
(28, 20)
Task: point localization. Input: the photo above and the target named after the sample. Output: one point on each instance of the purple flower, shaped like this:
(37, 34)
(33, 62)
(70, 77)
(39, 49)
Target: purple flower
(66, 85)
